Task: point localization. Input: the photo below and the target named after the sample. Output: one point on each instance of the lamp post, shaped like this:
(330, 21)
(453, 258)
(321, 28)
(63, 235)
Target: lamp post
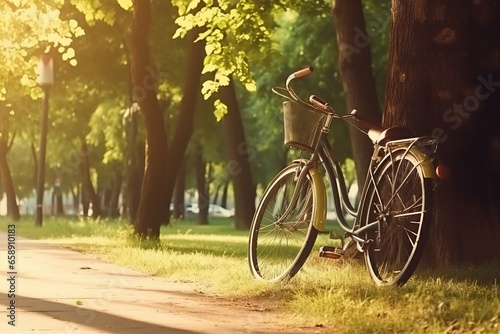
(45, 80)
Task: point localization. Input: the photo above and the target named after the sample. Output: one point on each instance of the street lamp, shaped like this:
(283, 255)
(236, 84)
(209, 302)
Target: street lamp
(45, 80)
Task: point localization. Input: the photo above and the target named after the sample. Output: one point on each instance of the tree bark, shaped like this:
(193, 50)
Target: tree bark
(154, 199)
(8, 182)
(355, 65)
(240, 155)
(443, 80)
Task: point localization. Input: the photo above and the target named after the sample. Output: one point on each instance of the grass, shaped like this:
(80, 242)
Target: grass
(335, 294)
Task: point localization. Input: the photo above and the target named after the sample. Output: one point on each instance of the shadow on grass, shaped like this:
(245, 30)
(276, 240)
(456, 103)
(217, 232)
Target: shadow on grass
(484, 275)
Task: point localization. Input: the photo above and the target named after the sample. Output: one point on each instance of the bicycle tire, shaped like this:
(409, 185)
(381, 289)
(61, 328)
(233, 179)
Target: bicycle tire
(399, 198)
(279, 246)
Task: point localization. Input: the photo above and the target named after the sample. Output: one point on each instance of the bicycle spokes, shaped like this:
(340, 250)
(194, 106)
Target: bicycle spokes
(399, 206)
(282, 233)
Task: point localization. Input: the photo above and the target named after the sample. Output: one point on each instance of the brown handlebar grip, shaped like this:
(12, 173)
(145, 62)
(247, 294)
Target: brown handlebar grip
(317, 102)
(303, 72)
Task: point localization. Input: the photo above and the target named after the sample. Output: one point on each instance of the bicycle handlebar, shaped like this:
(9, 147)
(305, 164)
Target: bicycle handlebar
(319, 103)
(303, 72)
(323, 106)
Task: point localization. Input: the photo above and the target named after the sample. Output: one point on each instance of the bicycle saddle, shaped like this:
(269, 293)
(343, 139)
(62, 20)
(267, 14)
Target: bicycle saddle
(380, 135)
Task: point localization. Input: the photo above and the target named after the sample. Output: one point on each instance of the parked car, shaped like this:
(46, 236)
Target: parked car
(213, 211)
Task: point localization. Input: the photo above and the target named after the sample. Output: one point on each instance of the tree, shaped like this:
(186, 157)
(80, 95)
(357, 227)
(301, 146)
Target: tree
(5, 146)
(151, 209)
(444, 79)
(184, 125)
(27, 30)
(240, 155)
(355, 63)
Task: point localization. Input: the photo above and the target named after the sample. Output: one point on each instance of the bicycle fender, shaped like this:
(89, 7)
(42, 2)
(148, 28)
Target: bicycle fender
(428, 168)
(319, 210)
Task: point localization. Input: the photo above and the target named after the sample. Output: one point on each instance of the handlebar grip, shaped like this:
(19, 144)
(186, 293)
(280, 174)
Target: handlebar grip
(317, 102)
(303, 72)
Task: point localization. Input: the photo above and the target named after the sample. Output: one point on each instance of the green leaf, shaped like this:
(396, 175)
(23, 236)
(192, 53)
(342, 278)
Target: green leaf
(125, 4)
(220, 110)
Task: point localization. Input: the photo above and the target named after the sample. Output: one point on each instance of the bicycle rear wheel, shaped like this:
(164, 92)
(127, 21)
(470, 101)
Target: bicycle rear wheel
(400, 201)
(279, 245)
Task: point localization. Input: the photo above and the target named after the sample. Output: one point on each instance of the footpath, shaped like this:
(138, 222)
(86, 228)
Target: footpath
(61, 291)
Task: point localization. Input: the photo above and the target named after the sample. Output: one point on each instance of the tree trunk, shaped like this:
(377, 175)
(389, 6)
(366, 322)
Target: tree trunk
(178, 198)
(34, 155)
(85, 201)
(355, 65)
(87, 182)
(215, 199)
(201, 185)
(184, 126)
(10, 190)
(75, 195)
(113, 210)
(240, 156)
(154, 199)
(223, 201)
(57, 202)
(133, 170)
(443, 80)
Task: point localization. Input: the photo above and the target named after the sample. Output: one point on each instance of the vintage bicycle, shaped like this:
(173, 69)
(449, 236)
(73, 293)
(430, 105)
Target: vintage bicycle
(391, 221)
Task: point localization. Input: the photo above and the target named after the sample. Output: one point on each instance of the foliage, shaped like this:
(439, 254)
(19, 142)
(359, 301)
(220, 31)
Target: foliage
(235, 33)
(39, 29)
(256, 42)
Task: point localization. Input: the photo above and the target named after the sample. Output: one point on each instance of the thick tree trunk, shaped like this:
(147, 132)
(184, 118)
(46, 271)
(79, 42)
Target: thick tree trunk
(355, 65)
(154, 199)
(87, 182)
(202, 187)
(184, 126)
(8, 182)
(444, 80)
(240, 156)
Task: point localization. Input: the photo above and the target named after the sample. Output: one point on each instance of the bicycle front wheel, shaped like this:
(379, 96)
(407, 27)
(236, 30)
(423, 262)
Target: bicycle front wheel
(399, 201)
(278, 244)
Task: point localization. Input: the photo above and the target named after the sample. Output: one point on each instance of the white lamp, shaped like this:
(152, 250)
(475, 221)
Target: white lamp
(45, 71)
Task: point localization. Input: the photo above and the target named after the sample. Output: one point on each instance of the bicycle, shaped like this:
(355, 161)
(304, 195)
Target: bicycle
(391, 221)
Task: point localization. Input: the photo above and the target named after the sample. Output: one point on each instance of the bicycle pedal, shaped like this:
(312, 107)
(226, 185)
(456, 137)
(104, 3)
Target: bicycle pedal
(331, 252)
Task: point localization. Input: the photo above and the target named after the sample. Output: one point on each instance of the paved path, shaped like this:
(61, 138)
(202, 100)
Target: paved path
(62, 291)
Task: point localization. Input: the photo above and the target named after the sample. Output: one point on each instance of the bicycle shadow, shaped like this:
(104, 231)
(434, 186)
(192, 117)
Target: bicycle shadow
(77, 316)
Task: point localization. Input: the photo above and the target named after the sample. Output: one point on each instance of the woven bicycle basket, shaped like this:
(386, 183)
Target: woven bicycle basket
(302, 126)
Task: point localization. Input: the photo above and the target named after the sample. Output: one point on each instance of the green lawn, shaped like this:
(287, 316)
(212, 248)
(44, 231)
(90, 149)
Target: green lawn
(336, 294)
